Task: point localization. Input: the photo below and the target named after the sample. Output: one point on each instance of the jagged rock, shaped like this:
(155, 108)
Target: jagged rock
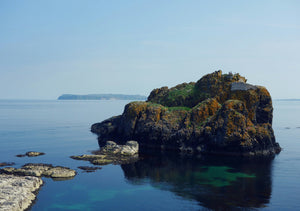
(113, 153)
(130, 148)
(40, 170)
(241, 86)
(220, 113)
(17, 192)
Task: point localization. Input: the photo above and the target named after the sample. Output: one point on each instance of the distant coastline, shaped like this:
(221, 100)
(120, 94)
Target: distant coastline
(101, 97)
(288, 99)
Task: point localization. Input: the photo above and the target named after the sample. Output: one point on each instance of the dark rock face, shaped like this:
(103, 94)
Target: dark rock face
(220, 114)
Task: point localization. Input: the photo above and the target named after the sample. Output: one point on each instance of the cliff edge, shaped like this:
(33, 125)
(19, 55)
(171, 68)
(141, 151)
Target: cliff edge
(220, 113)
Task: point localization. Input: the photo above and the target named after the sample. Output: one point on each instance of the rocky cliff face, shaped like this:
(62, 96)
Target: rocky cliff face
(220, 113)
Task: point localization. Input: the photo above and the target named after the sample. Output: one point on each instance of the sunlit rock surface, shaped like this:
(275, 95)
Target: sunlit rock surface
(17, 192)
(219, 114)
(113, 153)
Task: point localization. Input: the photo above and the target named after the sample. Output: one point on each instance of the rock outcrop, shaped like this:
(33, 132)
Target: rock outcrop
(220, 113)
(113, 153)
(18, 192)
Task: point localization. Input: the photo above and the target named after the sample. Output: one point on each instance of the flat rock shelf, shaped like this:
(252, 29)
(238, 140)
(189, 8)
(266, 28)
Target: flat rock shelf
(18, 192)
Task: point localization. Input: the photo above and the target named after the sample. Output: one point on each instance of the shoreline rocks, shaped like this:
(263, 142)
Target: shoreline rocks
(218, 114)
(113, 153)
(18, 192)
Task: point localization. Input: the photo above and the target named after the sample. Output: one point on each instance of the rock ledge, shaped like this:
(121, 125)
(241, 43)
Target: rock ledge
(17, 192)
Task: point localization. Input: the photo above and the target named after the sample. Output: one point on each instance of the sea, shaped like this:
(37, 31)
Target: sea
(165, 181)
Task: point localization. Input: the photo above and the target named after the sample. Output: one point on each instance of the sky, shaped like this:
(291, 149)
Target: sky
(54, 47)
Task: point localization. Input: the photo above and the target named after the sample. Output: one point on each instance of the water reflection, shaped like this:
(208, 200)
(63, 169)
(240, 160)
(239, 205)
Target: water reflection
(215, 182)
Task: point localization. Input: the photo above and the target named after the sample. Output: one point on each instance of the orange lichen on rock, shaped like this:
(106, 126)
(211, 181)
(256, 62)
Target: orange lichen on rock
(204, 109)
(132, 110)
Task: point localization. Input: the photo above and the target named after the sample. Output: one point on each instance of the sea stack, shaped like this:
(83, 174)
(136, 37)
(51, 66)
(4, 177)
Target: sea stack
(218, 114)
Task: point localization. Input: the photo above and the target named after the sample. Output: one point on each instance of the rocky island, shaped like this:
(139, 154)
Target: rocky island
(218, 114)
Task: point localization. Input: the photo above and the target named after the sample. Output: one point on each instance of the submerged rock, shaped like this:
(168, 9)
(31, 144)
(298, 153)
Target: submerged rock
(40, 170)
(89, 169)
(18, 192)
(220, 113)
(31, 154)
(113, 153)
(7, 164)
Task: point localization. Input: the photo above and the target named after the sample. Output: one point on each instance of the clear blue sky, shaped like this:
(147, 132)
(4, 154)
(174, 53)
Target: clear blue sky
(52, 47)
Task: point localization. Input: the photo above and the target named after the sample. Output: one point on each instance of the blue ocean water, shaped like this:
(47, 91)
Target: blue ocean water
(156, 182)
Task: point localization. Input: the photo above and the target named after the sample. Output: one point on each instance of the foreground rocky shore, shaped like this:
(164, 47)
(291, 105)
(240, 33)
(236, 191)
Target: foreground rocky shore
(19, 186)
(18, 192)
(219, 114)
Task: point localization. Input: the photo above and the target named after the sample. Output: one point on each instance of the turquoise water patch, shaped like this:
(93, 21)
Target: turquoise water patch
(103, 195)
(94, 196)
(219, 176)
(70, 206)
(76, 187)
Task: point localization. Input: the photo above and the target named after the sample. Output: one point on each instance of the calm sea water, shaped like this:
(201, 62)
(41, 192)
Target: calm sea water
(156, 182)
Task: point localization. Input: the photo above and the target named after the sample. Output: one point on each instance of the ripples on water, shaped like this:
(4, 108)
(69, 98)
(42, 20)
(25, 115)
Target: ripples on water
(155, 182)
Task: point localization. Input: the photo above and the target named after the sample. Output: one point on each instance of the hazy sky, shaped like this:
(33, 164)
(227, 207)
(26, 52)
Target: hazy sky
(48, 48)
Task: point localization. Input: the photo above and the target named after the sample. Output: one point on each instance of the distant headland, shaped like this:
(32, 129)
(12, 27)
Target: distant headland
(101, 97)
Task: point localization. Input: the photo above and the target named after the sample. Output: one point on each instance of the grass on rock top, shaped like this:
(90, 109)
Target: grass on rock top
(178, 108)
(181, 91)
